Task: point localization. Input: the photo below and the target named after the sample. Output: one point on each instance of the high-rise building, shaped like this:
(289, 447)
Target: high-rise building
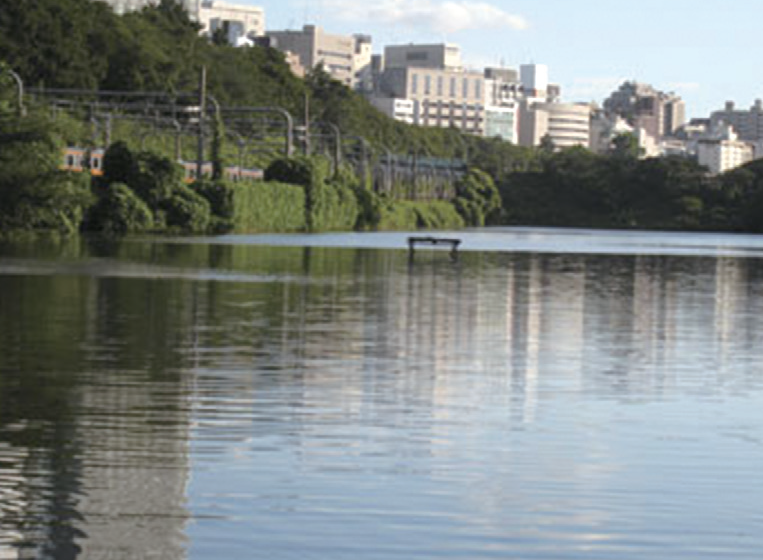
(748, 124)
(441, 97)
(343, 57)
(534, 80)
(432, 79)
(658, 113)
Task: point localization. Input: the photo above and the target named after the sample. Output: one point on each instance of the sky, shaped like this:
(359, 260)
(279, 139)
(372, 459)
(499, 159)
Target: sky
(704, 51)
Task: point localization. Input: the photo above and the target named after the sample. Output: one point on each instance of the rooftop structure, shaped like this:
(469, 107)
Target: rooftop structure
(437, 56)
(747, 123)
(239, 23)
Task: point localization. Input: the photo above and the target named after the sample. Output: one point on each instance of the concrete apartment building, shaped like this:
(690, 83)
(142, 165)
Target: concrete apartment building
(747, 124)
(344, 57)
(440, 97)
(433, 79)
(724, 151)
(658, 113)
(241, 24)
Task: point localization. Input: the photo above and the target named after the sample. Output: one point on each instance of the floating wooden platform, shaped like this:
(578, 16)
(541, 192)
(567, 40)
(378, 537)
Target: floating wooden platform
(454, 243)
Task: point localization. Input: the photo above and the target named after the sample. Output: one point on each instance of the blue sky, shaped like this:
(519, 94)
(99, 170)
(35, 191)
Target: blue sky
(705, 51)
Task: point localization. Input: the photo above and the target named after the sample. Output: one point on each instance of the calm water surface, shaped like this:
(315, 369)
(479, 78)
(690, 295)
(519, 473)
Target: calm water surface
(551, 395)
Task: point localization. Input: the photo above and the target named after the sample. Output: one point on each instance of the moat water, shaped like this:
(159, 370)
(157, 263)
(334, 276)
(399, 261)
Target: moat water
(550, 395)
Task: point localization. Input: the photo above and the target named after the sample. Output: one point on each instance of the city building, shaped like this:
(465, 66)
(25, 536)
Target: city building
(747, 124)
(566, 124)
(724, 150)
(441, 97)
(605, 128)
(502, 122)
(436, 57)
(658, 113)
(345, 58)
(402, 110)
(239, 23)
(362, 63)
(125, 6)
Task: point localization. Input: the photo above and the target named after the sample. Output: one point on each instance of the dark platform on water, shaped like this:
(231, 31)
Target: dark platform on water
(454, 243)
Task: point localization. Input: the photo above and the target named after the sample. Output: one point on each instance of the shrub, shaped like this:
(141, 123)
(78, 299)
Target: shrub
(268, 206)
(477, 198)
(186, 210)
(220, 195)
(119, 211)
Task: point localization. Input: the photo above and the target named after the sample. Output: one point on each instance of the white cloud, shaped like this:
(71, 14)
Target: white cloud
(446, 16)
(683, 86)
(591, 89)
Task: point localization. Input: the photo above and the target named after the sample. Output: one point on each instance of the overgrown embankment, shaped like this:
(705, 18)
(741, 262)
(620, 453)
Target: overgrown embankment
(143, 192)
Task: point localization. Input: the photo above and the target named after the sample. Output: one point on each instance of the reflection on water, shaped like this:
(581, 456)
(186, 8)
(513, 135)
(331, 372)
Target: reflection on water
(164, 400)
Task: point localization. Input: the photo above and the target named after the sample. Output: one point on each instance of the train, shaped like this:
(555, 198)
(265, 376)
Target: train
(81, 160)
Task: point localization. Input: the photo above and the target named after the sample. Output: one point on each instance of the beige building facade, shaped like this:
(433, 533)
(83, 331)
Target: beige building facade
(342, 56)
(441, 97)
(566, 124)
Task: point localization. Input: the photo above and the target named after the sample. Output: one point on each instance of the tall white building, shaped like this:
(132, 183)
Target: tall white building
(724, 151)
(239, 23)
(534, 80)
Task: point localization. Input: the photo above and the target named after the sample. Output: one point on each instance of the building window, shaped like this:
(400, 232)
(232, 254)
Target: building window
(427, 85)
(477, 89)
(439, 86)
(416, 55)
(465, 88)
(414, 83)
(452, 87)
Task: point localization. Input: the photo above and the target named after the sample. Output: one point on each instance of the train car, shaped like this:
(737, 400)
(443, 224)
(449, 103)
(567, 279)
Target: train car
(84, 160)
(81, 160)
(236, 174)
(190, 168)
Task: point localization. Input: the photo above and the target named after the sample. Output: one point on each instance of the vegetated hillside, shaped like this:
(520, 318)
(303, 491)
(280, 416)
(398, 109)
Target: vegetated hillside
(82, 44)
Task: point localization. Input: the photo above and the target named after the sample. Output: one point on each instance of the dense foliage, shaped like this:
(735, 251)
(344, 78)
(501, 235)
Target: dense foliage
(574, 187)
(268, 207)
(34, 194)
